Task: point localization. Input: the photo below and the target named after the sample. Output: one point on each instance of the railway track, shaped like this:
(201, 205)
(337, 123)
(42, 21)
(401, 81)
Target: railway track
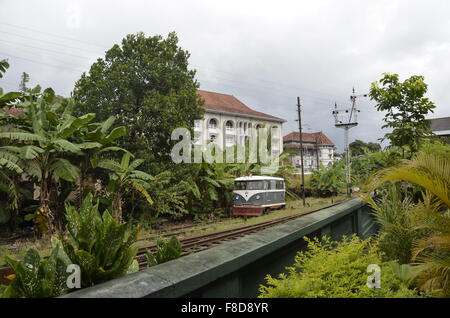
(201, 242)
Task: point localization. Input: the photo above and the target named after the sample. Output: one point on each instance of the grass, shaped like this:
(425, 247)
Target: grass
(18, 248)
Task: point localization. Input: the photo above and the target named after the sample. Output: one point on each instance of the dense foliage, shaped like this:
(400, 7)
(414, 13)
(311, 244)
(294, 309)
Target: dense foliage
(328, 181)
(365, 165)
(336, 270)
(46, 147)
(406, 109)
(167, 250)
(359, 147)
(398, 230)
(98, 243)
(429, 213)
(36, 277)
(146, 83)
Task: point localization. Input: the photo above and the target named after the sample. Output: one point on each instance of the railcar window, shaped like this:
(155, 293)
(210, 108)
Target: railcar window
(255, 185)
(251, 185)
(240, 185)
(280, 185)
(273, 185)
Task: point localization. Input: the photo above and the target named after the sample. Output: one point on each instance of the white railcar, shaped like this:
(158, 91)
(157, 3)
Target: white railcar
(256, 195)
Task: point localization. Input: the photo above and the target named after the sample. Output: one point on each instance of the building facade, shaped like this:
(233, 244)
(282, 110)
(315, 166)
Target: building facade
(228, 121)
(441, 126)
(318, 150)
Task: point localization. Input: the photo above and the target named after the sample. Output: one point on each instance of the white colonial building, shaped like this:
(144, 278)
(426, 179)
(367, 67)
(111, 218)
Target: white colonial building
(318, 150)
(228, 121)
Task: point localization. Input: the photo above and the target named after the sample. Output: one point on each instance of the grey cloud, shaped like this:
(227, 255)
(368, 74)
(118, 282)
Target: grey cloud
(265, 53)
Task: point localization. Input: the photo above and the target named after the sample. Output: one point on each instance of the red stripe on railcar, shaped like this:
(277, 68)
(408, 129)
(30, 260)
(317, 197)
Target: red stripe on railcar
(247, 210)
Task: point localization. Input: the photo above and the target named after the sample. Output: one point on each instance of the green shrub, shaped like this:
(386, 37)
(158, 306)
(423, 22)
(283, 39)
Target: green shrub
(328, 181)
(98, 243)
(398, 231)
(335, 270)
(167, 251)
(37, 277)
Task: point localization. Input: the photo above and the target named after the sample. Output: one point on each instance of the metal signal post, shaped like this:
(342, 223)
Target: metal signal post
(347, 119)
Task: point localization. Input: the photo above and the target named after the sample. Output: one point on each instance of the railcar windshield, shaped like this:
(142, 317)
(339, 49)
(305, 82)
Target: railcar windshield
(259, 185)
(251, 185)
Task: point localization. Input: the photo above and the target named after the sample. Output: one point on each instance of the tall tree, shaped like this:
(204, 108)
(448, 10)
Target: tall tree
(405, 107)
(25, 78)
(147, 85)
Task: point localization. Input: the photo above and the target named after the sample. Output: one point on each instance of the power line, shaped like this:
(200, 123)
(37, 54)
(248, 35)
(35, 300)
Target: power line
(316, 100)
(43, 49)
(51, 34)
(50, 42)
(43, 63)
(36, 57)
(78, 71)
(278, 85)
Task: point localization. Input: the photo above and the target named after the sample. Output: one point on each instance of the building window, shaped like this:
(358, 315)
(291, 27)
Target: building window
(212, 124)
(212, 138)
(229, 126)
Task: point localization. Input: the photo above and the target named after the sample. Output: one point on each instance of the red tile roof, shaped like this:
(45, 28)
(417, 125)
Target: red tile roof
(230, 104)
(319, 138)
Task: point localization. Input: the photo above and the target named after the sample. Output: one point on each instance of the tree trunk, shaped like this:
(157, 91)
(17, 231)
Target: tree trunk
(44, 210)
(117, 207)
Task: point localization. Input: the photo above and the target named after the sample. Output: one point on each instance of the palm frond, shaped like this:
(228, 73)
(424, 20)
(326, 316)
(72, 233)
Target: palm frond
(64, 169)
(21, 136)
(139, 188)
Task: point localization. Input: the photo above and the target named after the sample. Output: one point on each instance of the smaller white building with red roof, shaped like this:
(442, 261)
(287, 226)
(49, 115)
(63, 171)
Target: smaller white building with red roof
(318, 150)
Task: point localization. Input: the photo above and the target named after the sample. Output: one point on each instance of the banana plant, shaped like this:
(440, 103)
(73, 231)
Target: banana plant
(125, 178)
(46, 145)
(99, 139)
(10, 97)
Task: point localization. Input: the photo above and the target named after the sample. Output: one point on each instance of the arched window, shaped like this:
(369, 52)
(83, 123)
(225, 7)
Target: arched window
(229, 124)
(212, 123)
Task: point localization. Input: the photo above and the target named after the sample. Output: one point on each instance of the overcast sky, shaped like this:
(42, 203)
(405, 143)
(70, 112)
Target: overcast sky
(265, 53)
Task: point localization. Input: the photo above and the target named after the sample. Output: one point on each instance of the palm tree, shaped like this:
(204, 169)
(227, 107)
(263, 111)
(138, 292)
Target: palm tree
(431, 172)
(124, 179)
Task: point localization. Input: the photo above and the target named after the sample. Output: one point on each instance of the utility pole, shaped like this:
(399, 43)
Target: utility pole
(347, 119)
(301, 149)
